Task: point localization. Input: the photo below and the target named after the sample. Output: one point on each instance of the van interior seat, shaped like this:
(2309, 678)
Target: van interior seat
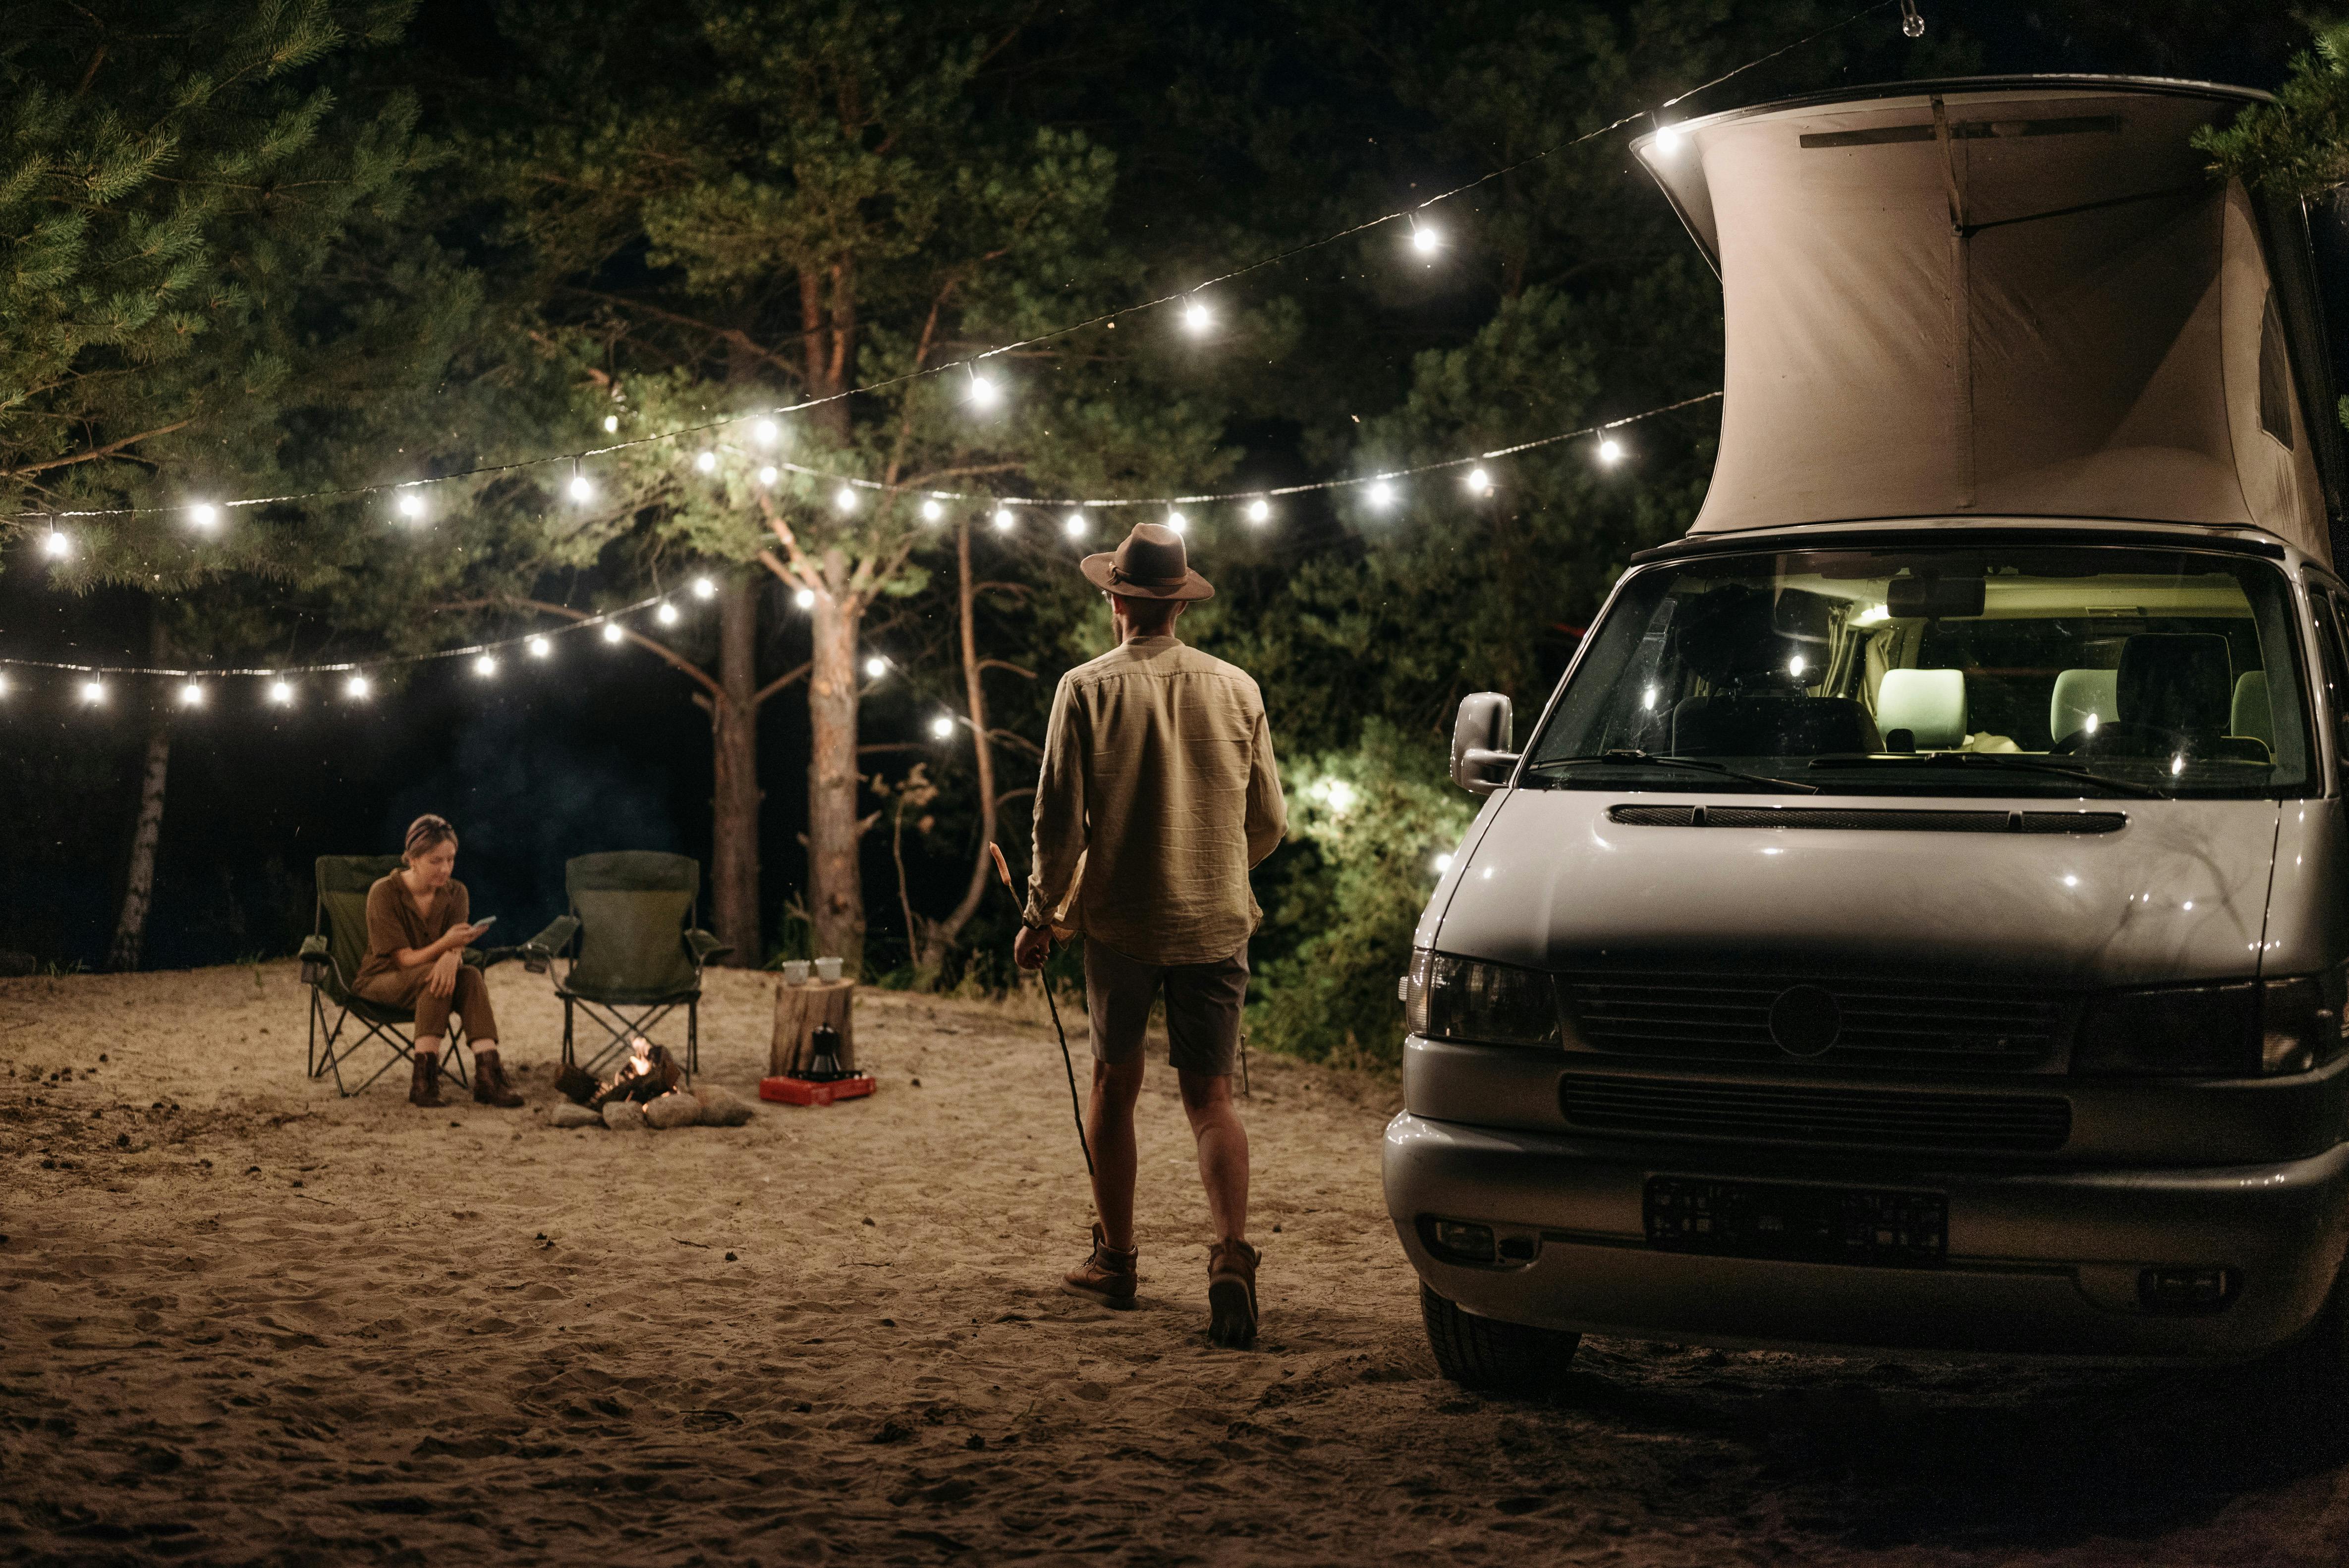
(1931, 705)
(2177, 681)
(2080, 695)
(2251, 715)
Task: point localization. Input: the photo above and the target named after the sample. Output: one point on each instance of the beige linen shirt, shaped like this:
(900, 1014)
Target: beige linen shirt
(1157, 794)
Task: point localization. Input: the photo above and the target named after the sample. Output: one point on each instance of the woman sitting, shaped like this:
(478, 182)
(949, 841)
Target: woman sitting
(417, 933)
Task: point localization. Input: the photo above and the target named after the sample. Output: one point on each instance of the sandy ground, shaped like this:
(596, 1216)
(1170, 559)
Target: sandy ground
(244, 1321)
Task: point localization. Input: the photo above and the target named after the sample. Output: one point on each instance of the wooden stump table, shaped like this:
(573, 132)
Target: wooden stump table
(798, 1010)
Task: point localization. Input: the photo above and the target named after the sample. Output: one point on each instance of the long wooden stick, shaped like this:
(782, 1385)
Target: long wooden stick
(1076, 1106)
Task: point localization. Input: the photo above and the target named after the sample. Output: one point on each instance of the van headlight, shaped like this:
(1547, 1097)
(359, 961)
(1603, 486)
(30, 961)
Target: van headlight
(2246, 1029)
(1448, 998)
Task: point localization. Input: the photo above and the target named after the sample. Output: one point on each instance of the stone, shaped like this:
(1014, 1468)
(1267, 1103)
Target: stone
(624, 1115)
(569, 1115)
(675, 1109)
(722, 1107)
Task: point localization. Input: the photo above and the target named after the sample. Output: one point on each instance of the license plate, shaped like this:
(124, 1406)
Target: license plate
(1801, 1224)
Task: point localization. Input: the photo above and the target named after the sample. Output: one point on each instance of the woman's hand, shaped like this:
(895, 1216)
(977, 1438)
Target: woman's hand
(459, 936)
(442, 981)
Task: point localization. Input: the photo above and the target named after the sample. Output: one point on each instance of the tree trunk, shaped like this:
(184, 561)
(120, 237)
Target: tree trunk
(734, 746)
(139, 889)
(835, 888)
(937, 937)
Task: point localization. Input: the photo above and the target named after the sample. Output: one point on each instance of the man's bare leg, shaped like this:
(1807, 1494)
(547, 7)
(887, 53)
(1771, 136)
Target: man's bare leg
(1109, 1128)
(1223, 1150)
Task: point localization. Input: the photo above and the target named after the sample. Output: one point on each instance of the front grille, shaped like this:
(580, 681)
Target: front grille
(1935, 1024)
(1867, 818)
(1791, 1114)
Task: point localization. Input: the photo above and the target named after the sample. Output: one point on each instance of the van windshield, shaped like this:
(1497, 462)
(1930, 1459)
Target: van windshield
(2055, 670)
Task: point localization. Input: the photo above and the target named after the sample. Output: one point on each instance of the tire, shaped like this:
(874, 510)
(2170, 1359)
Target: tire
(1487, 1354)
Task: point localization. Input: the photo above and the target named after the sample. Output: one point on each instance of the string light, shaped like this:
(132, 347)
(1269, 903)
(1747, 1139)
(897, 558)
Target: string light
(1479, 482)
(1259, 510)
(539, 647)
(1426, 238)
(1178, 522)
(485, 666)
(411, 506)
(932, 510)
(1443, 864)
(984, 392)
(766, 430)
(1074, 526)
(612, 632)
(942, 726)
(356, 688)
(581, 488)
(844, 498)
(1004, 521)
(665, 615)
(56, 546)
(191, 696)
(1668, 139)
(1382, 494)
(707, 461)
(281, 693)
(611, 424)
(805, 598)
(703, 588)
(4, 685)
(1611, 450)
(93, 692)
(767, 475)
(875, 667)
(203, 514)
(1197, 317)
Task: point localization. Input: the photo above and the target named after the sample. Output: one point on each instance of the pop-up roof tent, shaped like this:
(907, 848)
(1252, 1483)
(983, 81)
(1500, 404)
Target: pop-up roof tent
(2001, 298)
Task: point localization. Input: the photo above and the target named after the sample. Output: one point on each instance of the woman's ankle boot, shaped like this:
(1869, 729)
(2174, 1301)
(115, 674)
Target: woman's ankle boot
(489, 1085)
(424, 1086)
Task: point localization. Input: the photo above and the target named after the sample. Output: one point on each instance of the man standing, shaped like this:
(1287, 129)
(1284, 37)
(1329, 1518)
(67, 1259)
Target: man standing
(1156, 796)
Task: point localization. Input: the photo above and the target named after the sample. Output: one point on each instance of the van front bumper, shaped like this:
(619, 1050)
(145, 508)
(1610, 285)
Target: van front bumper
(2040, 1261)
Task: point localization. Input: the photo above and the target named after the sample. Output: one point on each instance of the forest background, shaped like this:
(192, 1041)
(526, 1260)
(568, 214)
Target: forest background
(256, 248)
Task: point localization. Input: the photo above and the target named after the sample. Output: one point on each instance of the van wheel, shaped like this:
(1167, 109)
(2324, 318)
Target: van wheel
(1496, 1357)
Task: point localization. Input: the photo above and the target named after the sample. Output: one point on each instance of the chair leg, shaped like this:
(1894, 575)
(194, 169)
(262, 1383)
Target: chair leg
(692, 1038)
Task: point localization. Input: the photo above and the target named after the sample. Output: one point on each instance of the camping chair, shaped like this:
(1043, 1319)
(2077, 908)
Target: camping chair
(330, 963)
(640, 951)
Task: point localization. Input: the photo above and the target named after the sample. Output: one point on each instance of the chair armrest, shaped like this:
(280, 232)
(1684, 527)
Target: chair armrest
(538, 952)
(705, 947)
(313, 959)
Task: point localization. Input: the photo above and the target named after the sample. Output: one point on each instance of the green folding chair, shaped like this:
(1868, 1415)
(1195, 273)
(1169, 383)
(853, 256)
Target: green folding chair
(641, 951)
(331, 955)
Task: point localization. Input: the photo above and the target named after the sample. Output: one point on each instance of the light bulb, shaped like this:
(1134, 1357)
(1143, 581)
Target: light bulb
(356, 688)
(1611, 450)
(1424, 239)
(844, 499)
(703, 588)
(766, 430)
(4, 685)
(1178, 522)
(611, 424)
(1004, 521)
(932, 510)
(539, 647)
(1668, 139)
(203, 514)
(485, 666)
(942, 726)
(580, 488)
(191, 696)
(612, 633)
(875, 667)
(56, 546)
(411, 506)
(1259, 510)
(93, 692)
(1074, 525)
(1443, 864)
(1796, 666)
(767, 475)
(706, 461)
(1382, 494)
(1479, 481)
(805, 598)
(984, 392)
(665, 615)
(1197, 317)
(281, 693)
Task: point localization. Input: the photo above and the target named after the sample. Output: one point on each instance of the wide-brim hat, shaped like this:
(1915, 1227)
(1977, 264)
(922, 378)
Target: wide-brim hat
(1151, 564)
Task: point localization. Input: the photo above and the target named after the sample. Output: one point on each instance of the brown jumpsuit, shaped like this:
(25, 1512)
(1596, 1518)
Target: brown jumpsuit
(393, 923)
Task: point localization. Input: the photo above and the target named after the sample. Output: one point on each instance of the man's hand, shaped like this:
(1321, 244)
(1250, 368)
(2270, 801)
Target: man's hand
(1033, 946)
(442, 981)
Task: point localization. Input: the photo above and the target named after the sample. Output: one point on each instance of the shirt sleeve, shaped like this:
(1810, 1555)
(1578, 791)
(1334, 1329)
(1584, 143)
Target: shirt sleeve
(386, 935)
(1060, 809)
(1267, 812)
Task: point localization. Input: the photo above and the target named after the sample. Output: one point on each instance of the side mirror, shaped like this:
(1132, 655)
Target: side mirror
(1481, 738)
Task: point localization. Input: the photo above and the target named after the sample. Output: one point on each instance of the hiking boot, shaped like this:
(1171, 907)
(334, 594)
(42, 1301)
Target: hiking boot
(489, 1085)
(424, 1084)
(1108, 1276)
(1231, 1293)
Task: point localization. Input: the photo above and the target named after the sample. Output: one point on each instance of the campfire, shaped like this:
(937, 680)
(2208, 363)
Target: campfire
(646, 1073)
(647, 1092)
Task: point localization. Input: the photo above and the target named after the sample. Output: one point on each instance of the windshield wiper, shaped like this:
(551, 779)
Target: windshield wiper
(1629, 756)
(1996, 760)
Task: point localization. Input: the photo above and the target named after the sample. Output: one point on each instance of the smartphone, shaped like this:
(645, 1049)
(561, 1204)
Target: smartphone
(481, 925)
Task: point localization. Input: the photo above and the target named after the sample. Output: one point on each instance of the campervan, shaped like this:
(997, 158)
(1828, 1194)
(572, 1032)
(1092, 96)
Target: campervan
(1915, 921)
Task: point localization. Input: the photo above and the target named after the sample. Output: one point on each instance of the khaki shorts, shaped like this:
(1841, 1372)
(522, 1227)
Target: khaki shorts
(1203, 1007)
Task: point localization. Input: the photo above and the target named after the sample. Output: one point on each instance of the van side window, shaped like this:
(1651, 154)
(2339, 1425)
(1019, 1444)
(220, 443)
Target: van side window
(2275, 375)
(2333, 655)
